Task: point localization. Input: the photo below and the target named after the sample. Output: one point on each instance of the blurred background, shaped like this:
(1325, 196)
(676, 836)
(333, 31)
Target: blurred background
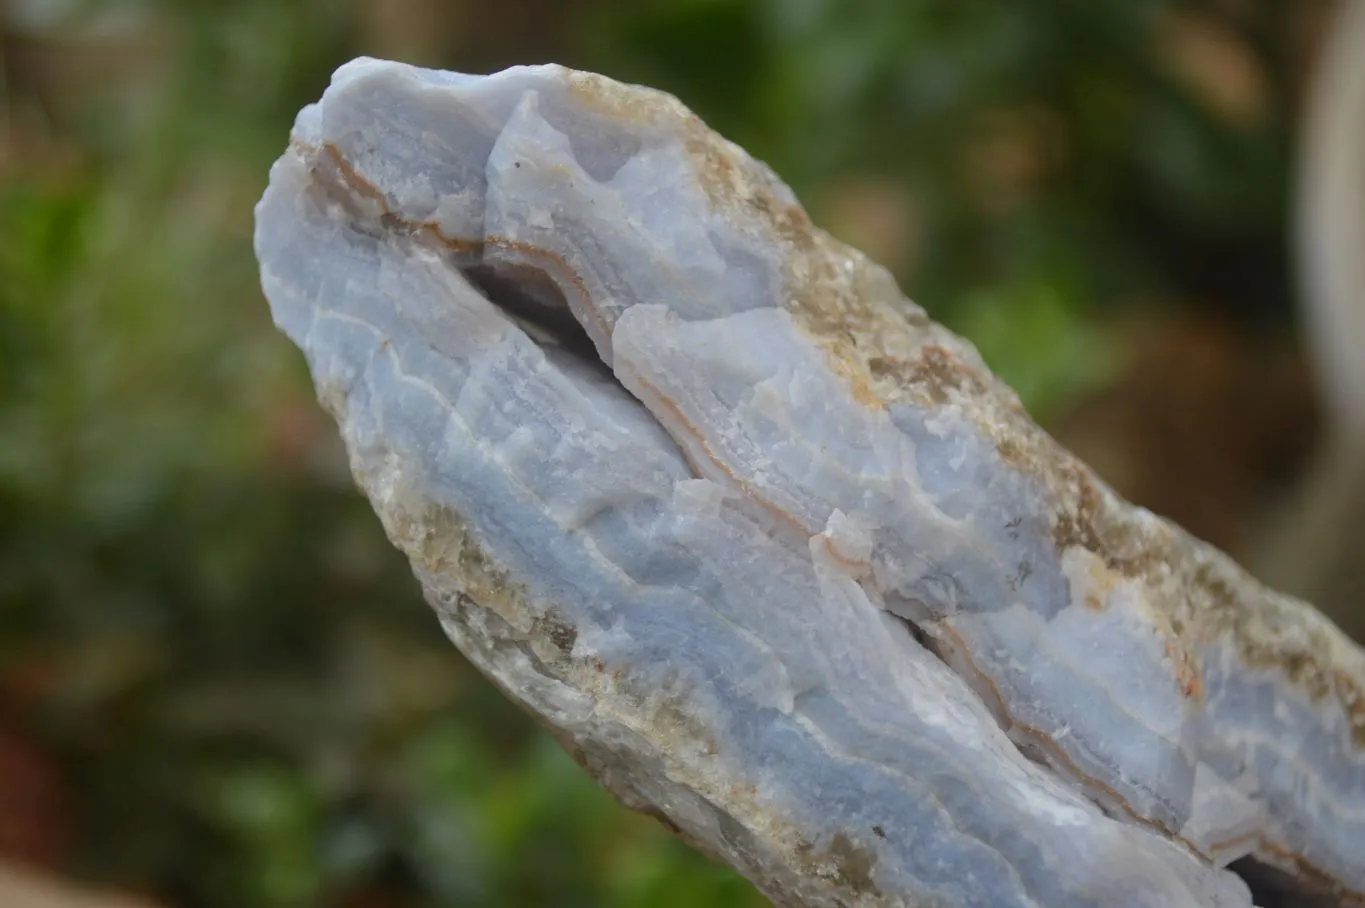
(219, 685)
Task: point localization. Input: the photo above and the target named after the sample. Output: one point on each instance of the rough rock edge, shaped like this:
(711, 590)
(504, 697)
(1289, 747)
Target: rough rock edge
(888, 350)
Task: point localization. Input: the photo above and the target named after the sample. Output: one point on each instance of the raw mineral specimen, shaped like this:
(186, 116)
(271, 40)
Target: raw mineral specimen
(772, 554)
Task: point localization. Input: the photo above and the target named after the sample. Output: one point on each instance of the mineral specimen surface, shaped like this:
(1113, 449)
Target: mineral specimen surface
(771, 553)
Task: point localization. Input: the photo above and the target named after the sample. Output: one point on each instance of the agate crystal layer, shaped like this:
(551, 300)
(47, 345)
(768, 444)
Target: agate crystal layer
(776, 557)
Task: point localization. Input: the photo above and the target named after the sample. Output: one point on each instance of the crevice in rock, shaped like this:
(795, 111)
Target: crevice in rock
(1274, 888)
(532, 299)
(916, 618)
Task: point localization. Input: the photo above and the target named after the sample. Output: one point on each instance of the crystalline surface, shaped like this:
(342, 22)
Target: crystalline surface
(681, 472)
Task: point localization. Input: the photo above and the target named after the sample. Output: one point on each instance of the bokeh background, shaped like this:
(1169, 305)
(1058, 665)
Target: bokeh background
(219, 685)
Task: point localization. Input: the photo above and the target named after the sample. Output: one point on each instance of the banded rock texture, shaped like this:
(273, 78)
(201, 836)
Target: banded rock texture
(776, 557)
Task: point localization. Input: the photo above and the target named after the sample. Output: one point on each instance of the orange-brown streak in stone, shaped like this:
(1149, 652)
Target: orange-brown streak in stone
(854, 565)
(351, 177)
(1046, 742)
(1246, 843)
(960, 649)
(691, 430)
(553, 263)
(555, 266)
(1188, 678)
(1307, 870)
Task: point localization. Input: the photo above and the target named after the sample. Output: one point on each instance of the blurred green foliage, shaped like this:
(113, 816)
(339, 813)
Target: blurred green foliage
(202, 628)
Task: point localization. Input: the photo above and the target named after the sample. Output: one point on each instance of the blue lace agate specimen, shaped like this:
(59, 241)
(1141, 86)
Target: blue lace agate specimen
(774, 555)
